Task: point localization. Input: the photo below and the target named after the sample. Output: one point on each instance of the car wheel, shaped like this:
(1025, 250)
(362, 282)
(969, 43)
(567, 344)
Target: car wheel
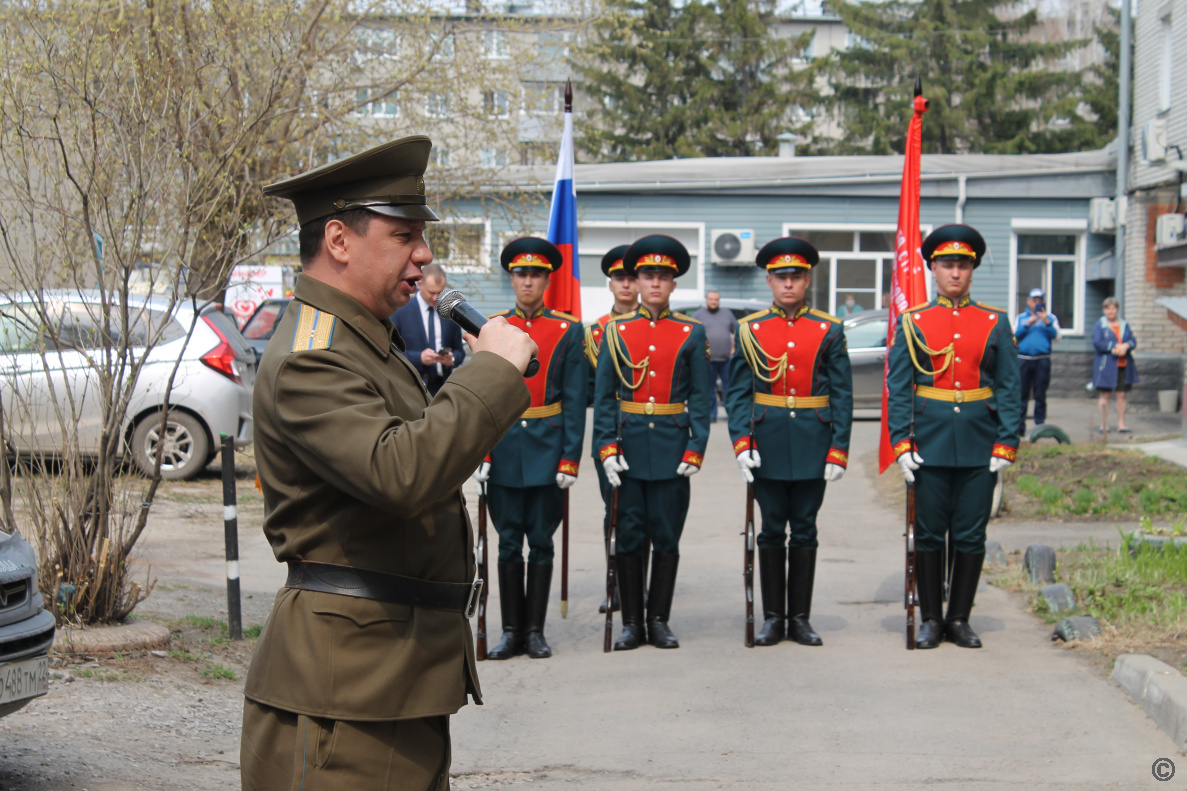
(186, 446)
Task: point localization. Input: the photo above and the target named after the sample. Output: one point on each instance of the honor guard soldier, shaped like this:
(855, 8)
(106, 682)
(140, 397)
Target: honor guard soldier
(538, 457)
(790, 400)
(651, 425)
(625, 289)
(368, 648)
(954, 408)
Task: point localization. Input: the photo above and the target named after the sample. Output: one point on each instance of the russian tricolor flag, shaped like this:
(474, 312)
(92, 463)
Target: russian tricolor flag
(564, 286)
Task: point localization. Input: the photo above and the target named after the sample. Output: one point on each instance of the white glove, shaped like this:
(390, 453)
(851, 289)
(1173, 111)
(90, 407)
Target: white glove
(910, 462)
(482, 474)
(565, 480)
(613, 465)
(747, 461)
(833, 472)
(687, 470)
(997, 464)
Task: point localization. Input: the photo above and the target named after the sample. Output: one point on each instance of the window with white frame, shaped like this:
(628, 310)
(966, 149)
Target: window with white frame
(855, 266)
(543, 98)
(437, 105)
(376, 105)
(459, 244)
(377, 42)
(553, 46)
(493, 158)
(495, 45)
(440, 156)
(497, 104)
(1049, 261)
(441, 46)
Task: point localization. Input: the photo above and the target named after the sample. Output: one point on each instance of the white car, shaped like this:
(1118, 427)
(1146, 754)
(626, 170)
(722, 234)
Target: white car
(48, 390)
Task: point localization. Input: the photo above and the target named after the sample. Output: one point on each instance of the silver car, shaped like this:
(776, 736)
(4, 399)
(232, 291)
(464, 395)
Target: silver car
(50, 389)
(865, 335)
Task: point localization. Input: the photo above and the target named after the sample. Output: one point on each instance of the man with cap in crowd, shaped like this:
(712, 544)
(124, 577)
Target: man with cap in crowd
(955, 403)
(651, 426)
(368, 648)
(1035, 331)
(625, 289)
(790, 407)
(537, 459)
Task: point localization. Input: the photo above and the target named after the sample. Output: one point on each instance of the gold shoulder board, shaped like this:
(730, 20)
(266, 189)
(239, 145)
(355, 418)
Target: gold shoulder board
(685, 317)
(820, 314)
(315, 329)
(500, 313)
(556, 314)
(753, 316)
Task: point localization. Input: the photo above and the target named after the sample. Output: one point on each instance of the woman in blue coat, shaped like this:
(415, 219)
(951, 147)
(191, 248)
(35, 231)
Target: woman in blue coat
(1113, 368)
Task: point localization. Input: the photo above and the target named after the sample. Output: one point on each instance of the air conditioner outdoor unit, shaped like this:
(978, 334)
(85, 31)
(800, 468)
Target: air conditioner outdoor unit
(1102, 215)
(733, 247)
(1170, 230)
(1154, 142)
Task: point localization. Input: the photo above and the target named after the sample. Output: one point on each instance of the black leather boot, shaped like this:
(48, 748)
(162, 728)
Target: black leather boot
(539, 584)
(772, 573)
(801, 576)
(966, 572)
(659, 599)
(630, 585)
(511, 606)
(929, 582)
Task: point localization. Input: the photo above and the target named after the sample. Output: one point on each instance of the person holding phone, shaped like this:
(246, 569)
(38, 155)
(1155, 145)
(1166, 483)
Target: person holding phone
(1035, 331)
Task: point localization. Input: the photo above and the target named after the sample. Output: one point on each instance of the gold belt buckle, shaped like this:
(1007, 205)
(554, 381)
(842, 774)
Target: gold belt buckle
(791, 402)
(958, 396)
(649, 408)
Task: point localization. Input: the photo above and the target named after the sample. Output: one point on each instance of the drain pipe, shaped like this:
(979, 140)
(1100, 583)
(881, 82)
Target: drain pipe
(1121, 203)
(962, 194)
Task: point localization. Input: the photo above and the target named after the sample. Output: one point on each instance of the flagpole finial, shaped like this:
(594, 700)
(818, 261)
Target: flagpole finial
(568, 96)
(918, 86)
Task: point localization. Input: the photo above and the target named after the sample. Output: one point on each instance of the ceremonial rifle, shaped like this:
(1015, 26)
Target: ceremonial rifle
(748, 565)
(565, 558)
(909, 599)
(611, 561)
(480, 637)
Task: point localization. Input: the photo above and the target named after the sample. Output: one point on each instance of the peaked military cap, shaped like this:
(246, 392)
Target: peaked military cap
(790, 252)
(531, 253)
(612, 261)
(387, 179)
(656, 252)
(954, 239)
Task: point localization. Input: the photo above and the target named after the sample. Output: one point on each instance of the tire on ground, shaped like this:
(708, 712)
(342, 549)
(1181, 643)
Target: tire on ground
(186, 451)
(1039, 563)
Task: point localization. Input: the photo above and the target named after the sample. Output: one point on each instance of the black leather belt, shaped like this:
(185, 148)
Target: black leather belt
(377, 585)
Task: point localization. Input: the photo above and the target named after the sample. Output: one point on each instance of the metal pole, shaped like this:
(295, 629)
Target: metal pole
(1123, 122)
(231, 531)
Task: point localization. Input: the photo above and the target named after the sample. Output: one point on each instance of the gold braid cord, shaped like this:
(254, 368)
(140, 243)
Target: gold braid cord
(591, 347)
(909, 333)
(619, 357)
(757, 358)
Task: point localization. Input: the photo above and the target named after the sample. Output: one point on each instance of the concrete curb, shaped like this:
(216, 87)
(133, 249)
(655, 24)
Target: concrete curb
(1159, 689)
(131, 636)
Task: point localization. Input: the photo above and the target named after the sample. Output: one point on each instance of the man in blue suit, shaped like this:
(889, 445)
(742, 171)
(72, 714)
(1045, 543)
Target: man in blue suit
(434, 346)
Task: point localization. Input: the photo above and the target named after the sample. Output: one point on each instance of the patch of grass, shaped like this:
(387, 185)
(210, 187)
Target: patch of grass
(201, 621)
(100, 674)
(218, 671)
(182, 655)
(252, 632)
(1082, 501)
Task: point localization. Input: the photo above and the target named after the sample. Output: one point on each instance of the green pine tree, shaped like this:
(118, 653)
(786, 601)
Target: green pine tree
(991, 89)
(689, 79)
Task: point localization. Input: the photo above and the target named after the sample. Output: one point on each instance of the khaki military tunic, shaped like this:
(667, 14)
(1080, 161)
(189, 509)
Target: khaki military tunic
(359, 468)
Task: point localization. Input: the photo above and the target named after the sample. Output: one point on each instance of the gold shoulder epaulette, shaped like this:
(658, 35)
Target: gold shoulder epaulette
(685, 317)
(920, 306)
(556, 314)
(758, 315)
(315, 329)
(820, 314)
(983, 306)
(500, 313)
(624, 316)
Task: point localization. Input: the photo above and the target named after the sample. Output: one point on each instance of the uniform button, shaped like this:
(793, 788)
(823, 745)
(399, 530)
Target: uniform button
(957, 335)
(790, 345)
(564, 325)
(956, 384)
(687, 328)
(529, 323)
(789, 324)
(793, 391)
(793, 413)
(652, 399)
(754, 326)
(652, 373)
(957, 359)
(956, 313)
(653, 324)
(523, 423)
(651, 348)
(955, 409)
(791, 367)
(650, 425)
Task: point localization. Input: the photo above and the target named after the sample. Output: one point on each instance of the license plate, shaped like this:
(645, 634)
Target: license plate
(27, 678)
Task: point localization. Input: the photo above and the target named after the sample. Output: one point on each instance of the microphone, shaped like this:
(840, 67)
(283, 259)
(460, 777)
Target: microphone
(452, 305)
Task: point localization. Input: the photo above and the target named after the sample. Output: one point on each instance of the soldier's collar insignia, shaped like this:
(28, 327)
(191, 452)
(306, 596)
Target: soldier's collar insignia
(778, 311)
(964, 301)
(539, 312)
(645, 313)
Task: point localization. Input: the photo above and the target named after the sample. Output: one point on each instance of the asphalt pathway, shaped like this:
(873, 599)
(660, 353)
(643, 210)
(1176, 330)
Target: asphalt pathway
(861, 711)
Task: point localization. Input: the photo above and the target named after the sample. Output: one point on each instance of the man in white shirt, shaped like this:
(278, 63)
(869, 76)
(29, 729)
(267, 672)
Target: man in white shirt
(434, 345)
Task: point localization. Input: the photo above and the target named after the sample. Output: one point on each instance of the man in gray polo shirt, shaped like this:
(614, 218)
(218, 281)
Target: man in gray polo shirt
(720, 326)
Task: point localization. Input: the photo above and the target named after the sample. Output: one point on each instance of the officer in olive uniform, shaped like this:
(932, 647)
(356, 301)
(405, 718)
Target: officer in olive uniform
(954, 409)
(625, 289)
(368, 648)
(538, 458)
(790, 399)
(651, 409)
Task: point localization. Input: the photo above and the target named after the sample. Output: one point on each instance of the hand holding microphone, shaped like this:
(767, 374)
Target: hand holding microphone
(498, 337)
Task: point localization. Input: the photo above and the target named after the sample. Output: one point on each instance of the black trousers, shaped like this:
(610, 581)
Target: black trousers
(1036, 375)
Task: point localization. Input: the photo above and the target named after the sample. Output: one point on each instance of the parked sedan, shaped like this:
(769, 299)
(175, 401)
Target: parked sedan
(26, 627)
(260, 326)
(865, 335)
(52, 388)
